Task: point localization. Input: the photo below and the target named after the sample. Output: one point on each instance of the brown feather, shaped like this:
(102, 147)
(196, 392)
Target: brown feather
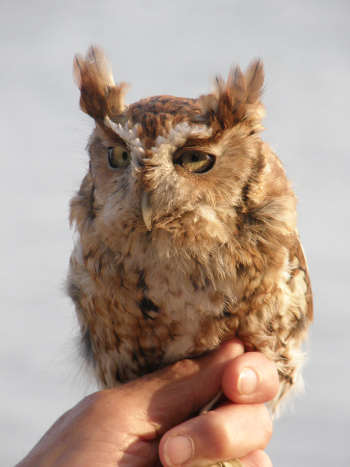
(219, 256)
(237, 100)
(100, 97)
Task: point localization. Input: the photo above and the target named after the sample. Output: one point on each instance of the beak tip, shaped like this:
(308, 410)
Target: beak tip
(146, 209)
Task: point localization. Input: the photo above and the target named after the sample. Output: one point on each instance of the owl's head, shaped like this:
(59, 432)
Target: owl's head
(178, 165)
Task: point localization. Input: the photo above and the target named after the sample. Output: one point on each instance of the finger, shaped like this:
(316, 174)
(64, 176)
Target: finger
(256, 458)
(169, 396)
(251, 378)
(231, 431)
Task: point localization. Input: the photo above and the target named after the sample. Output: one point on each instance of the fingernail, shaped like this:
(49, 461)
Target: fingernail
(247, 381)
(178, 450)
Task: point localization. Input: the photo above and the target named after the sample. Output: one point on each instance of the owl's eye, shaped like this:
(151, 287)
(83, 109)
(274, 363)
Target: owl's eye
(196, 161)
(118, 157)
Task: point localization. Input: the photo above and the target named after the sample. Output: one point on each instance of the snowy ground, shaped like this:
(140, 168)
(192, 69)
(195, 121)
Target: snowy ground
(168, 47)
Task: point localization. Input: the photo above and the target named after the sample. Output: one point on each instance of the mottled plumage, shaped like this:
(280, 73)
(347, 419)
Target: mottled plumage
(186, 230)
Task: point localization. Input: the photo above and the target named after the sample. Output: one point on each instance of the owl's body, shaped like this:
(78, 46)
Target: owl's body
(186, 231)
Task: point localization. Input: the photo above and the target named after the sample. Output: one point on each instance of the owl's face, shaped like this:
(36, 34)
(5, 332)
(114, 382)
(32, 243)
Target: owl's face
(172, 165)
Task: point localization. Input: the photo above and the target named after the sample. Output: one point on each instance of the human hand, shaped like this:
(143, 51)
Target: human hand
(140, 423)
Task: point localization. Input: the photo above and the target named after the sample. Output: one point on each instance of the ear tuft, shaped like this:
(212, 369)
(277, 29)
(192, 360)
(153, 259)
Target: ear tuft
(100, 97)
(254, 78)
(236, 100)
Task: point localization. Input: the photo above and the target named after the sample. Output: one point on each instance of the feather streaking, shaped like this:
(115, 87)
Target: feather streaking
(171, 261)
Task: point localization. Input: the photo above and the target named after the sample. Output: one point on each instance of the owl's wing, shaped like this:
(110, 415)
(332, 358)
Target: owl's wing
(300, 278)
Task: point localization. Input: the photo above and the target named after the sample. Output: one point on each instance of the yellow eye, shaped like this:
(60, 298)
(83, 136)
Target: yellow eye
(118, 157)
(196, 161)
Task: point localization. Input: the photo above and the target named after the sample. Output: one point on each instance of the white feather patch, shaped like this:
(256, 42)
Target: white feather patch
(129, 133)
(179, 134)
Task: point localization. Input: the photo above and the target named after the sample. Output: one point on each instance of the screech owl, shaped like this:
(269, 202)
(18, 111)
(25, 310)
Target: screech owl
(186, 228)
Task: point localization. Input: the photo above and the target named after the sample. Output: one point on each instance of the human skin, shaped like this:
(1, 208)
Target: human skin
(154, 420)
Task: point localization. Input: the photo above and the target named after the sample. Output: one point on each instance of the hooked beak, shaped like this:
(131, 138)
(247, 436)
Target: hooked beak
(146, 209)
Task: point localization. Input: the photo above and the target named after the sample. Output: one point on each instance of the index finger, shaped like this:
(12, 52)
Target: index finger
(169, 396)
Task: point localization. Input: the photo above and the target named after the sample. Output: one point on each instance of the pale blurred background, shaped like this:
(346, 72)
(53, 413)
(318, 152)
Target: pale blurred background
(165, 47)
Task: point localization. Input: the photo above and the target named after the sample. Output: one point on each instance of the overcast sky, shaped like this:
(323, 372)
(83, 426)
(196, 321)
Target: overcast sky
(164, 47)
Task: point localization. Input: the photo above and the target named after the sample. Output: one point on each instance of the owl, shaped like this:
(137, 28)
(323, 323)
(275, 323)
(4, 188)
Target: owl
(186, 230)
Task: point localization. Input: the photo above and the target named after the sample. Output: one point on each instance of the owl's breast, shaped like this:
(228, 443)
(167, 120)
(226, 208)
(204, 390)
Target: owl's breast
(148, 298)
(174, 297)
(149, 302)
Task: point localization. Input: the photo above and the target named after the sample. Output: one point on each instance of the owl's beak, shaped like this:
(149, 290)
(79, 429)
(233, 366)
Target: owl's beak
(146, 208)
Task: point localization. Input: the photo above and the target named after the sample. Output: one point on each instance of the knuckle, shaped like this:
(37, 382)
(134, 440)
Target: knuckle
(257, 458)
(94, 402)
(266, 423)
(181, 368)
(220, 435)
(94, 399)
